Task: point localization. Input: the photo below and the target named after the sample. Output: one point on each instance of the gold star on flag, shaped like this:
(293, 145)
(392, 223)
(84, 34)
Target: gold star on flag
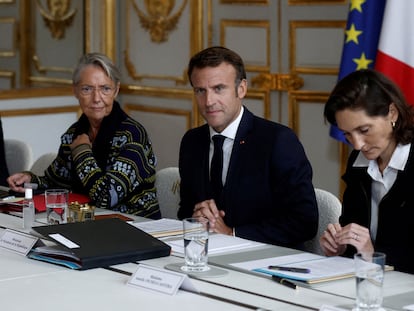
(357, 5)
(352, 34)
(362, 62)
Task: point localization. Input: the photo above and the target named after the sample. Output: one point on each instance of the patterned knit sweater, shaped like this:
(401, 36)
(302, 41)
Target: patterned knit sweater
(117, 173)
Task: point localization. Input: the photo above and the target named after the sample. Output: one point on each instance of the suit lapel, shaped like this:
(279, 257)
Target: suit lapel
(241, 142)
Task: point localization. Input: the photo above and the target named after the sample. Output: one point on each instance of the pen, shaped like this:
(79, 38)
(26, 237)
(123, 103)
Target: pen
(284, 281)
(290, 269)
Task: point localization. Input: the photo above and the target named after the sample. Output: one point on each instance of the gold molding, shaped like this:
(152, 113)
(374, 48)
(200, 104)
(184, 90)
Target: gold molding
(252, 24)
(158, 21)
(302, 96)
(139, 77)
(169, 111)
(50, 81)
(38, 111)
(314, 97)
(196, 39)
(87, 29)
(31, 67)
(277, 81)
(13, 22)
(160, 92)
(36, 92)
(109, 28)
(44, 69)
(57, 17)
(293, 26)
(10, 75)
(209, 23)
(264, 96)
(26, 47)
(247, 2)
(316, 2)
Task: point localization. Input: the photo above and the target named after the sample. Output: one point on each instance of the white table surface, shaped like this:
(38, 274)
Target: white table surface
(27, 283)
(35, 285)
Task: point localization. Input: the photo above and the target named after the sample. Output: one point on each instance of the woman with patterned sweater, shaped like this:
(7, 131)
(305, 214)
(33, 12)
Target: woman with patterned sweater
(105, 154)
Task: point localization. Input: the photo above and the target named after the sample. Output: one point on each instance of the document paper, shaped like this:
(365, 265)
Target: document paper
(321, 268)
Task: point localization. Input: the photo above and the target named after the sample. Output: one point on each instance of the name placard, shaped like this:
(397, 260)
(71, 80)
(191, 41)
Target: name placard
(17, 242)
(160, 280)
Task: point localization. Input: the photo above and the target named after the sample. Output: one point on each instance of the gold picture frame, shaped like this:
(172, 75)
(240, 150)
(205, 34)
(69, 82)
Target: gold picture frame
(258, 2)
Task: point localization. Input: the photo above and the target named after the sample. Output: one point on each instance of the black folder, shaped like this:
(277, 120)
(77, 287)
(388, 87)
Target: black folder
(102, 243)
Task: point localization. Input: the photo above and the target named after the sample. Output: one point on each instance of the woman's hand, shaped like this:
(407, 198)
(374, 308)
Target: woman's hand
(335, 239)
(16, 181)
(329, 243)
(356, 235)
(81, 139)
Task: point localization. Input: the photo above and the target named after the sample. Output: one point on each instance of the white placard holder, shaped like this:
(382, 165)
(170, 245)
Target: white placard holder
(160, 280)
(17, 242)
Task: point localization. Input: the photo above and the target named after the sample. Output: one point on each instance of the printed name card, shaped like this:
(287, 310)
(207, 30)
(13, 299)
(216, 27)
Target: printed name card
(160, 280)
(17, 242)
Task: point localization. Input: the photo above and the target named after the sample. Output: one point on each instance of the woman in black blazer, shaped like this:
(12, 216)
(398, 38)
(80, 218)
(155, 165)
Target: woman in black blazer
(378, 203)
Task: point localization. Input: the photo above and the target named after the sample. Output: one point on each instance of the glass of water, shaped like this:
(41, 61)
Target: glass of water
(56, 206)
(369, 273)
(195, 244)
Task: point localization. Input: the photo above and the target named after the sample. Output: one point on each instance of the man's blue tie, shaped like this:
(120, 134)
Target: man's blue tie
(216, 169)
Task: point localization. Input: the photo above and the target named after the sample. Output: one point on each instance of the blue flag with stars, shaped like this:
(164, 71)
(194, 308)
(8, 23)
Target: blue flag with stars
(362, 33)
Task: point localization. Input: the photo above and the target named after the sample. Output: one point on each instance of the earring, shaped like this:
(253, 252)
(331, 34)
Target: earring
(393, 124)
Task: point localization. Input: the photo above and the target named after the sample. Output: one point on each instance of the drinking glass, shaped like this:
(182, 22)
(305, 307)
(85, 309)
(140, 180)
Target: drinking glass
(369, 273)
(195, 244)
(56, 206)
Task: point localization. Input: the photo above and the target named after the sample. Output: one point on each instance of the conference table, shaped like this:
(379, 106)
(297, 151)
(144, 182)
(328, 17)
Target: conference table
(29, 284)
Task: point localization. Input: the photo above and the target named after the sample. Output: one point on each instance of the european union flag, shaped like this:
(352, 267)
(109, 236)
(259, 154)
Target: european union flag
(361, 41)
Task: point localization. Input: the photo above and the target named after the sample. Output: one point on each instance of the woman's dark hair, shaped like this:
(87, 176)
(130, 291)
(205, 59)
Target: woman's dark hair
(213, 57)
(372, 92)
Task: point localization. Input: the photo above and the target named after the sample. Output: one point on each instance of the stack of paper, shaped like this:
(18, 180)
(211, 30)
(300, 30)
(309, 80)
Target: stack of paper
(217, 243)
(161, 228)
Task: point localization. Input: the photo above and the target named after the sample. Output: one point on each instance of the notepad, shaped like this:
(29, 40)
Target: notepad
(162, 227)
(321, 268)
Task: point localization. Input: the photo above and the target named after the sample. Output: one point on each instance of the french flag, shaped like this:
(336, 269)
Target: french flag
(395, 56)
(380, 35)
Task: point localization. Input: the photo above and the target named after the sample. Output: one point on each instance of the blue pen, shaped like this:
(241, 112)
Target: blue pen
(290, 269)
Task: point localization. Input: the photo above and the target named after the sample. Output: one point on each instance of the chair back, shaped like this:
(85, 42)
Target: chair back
(19, 155)
(167, 182)
(329, 208)
(42, 163)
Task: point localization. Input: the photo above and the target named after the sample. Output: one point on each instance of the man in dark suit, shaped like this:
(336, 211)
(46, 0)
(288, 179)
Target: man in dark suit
(267, 192)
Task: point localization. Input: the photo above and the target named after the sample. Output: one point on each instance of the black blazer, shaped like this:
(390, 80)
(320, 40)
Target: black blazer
(268, 195)
(4, 171)
(395, 212)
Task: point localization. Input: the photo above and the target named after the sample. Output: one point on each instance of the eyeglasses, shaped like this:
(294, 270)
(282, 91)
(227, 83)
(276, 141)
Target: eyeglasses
(87, 90)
